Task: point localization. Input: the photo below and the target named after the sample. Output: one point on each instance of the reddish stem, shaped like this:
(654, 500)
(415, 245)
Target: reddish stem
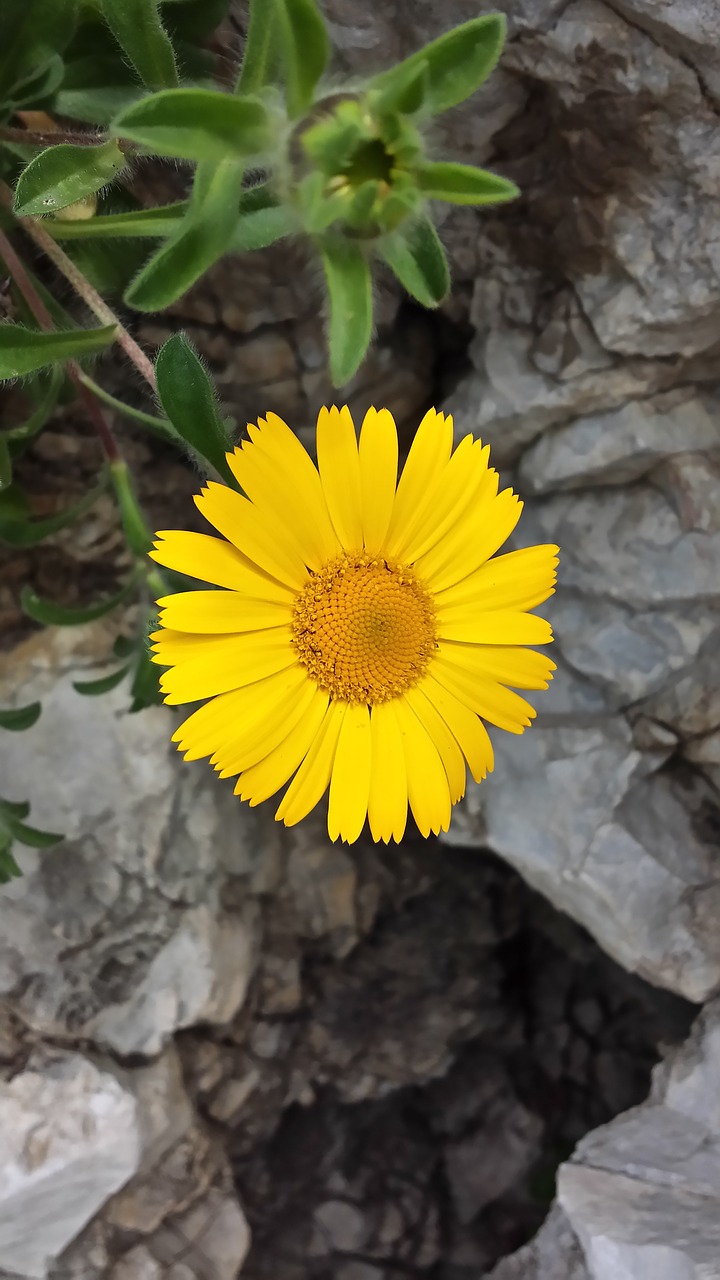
(44, 319)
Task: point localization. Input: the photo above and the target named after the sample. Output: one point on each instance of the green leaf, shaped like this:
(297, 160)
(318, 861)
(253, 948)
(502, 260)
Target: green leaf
(93, 688)
(9, 868)
(65, 173)
(463, 184)
(188, 398)
(258, 230)
(5, 465)
(20, 718)
(138, 30)
(417, 258)
(32, 837)
(33, 32)
(305, 50)
(57, 615)
(145, 690)
(195, 124)
(350, 289)
(202, 238)
(13, 809)
(25, 431)
(160, 222)
(22, 350)
(95, 87)
(406, 92)
(17, 531)
(261, 47)
(40, 85)
(457, 63)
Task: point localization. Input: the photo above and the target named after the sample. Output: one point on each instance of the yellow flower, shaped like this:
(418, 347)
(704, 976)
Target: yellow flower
(363, 633)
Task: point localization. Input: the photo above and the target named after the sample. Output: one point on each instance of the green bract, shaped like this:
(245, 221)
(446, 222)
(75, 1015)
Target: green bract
(352, 171)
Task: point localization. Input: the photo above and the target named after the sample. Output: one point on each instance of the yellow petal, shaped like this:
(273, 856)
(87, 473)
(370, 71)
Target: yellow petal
(448, 749)
(467, 728)
(378, 454)
(282, 447)
(282, 486)
(339, 468)
(428, 789)
(215, 664)
(492, 701)
(262, 780)
(498, 627)
(447, 501)
(260, 739)
(471, 541)
(212, 560)
(350, 781)
(426, 460)
(220, 611)
(388, 799)
(508, 664)
(313, 777)
(224, 719)
(519, 580)
(253, 532)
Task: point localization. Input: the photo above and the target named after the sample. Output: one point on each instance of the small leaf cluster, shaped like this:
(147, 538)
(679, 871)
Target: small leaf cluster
(282, 152)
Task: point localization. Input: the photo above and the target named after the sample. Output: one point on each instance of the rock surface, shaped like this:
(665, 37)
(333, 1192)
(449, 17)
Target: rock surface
(641, 1193)
(70, 1140)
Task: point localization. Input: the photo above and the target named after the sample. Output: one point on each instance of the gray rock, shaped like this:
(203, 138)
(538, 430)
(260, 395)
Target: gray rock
(641, 1192)
(71, 1139)
(575, 811)
(554, 1254)
(618, 447)
(119, 934)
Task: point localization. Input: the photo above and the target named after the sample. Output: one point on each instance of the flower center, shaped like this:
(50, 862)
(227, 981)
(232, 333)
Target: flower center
(364, 628)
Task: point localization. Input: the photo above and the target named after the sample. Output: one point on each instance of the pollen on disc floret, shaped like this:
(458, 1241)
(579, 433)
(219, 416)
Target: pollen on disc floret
(364, 628)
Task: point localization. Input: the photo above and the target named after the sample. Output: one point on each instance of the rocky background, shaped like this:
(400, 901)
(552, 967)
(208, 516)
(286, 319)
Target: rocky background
(386, 1064)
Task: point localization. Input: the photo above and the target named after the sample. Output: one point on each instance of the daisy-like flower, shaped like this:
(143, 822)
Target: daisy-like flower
(364, 629)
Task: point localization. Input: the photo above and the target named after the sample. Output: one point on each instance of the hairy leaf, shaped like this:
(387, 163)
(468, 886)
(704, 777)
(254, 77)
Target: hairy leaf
(350, 291)
(138, 30)
(416, 257)
(64, 173)
(195, 124)
(456, 63)
(463, 184)
(23, 351)
(188, 398)
(204, 235)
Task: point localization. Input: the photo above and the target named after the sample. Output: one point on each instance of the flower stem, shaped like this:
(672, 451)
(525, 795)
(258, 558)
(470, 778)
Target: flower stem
(42, 315)
(137, 531)
(46, 137)
(83, 287)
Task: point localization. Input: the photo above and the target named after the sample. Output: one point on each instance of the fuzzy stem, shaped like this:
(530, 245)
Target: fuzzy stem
(44, 319)
(46, 137)
(83, 287)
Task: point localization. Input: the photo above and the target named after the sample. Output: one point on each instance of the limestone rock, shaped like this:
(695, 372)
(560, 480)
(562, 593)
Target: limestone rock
(119, 933)
(554, 1254)
(70, 1140)
(641, 1192)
